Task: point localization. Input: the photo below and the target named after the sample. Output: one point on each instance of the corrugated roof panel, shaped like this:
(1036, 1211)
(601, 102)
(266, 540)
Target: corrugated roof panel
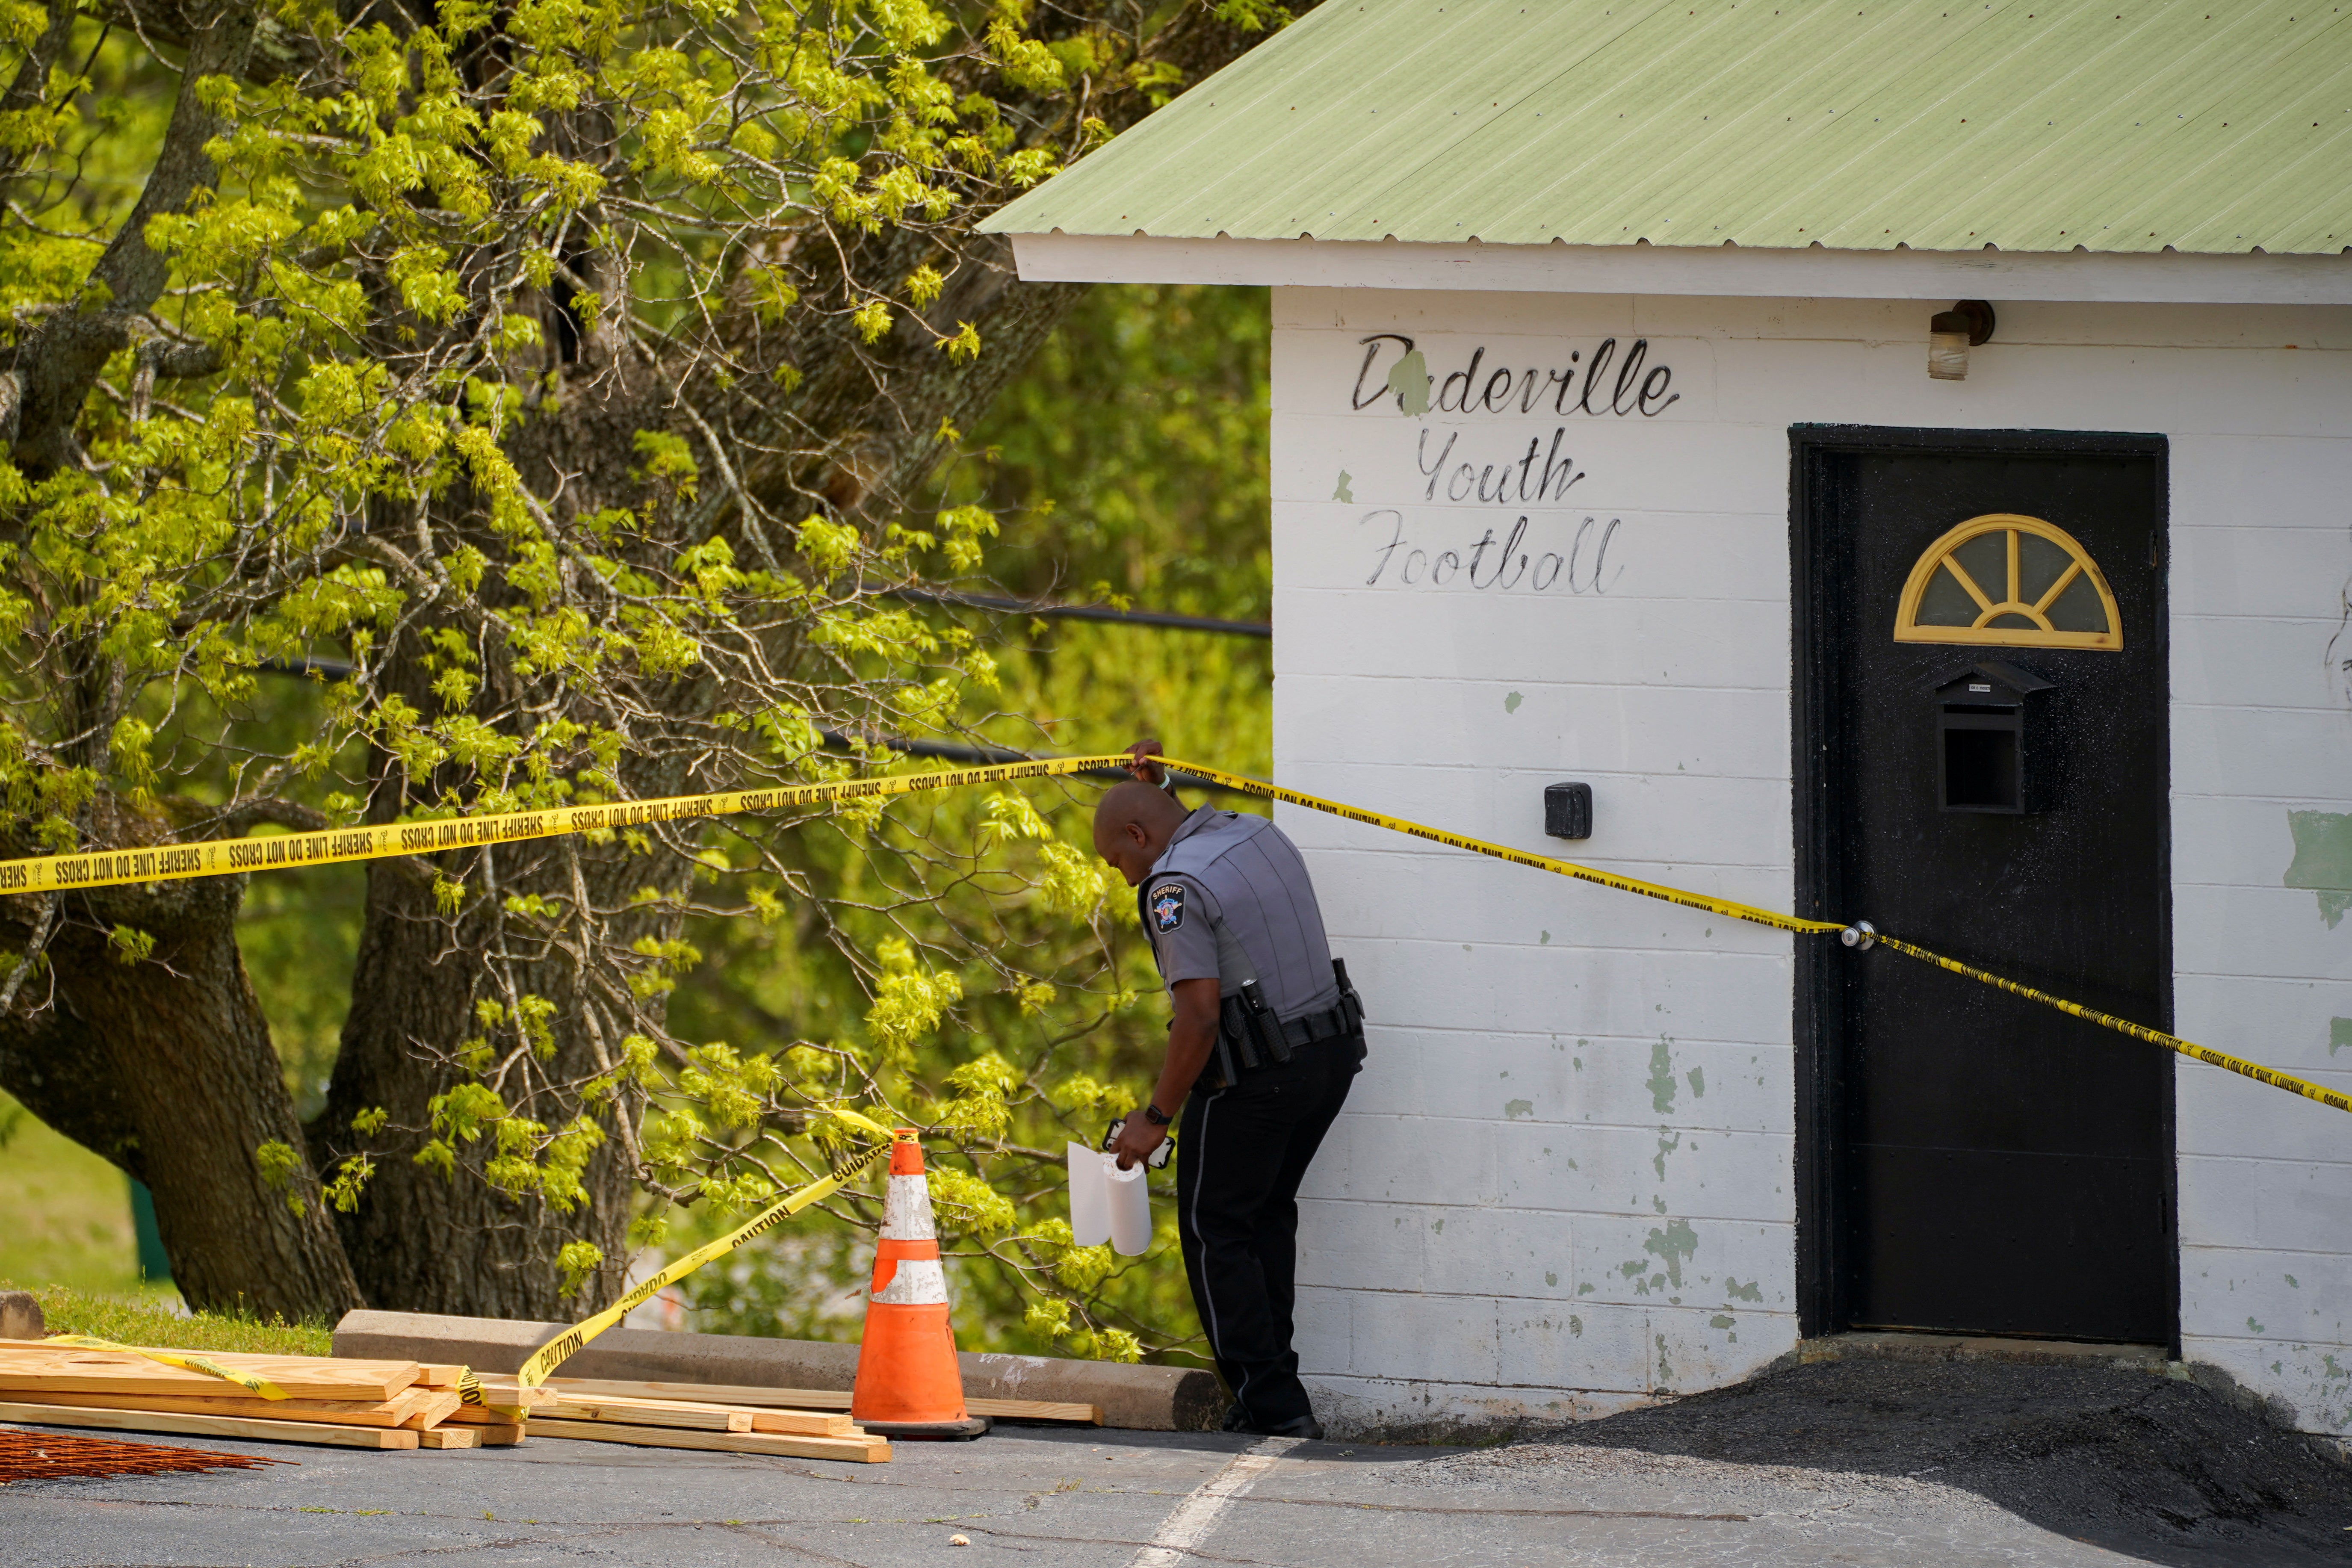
(2031, 125)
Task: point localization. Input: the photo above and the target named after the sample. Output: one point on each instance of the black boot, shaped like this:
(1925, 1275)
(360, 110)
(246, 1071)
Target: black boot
(1237, 1420)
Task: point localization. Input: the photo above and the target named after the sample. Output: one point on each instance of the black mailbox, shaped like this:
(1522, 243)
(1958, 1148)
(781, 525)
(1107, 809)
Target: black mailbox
(1985, 734)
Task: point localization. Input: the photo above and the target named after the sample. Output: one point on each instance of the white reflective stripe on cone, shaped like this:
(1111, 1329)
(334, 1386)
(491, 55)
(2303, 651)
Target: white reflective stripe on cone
(906, 1211)
(920, 1282)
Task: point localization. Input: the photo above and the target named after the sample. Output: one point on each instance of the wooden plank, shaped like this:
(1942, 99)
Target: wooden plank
(492, 1436)
(861, 1450)
(1035, 1410)
(432, 1407)
(505, 1390)
(446, 1437)
(337, 1413)
(479, 1416)
(35, 1367)
(492, 1414)
(818, 1398)
(648, 1413)
(438, 1374)
(211, 1426)
(806, 1423)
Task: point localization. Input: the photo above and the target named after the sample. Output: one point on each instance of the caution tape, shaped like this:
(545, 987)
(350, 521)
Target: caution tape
(2205, 1054)
(260, 1386)
(432, 836)
(547, 1357)
(1686, 899)
(222, 856)
(1738, 911)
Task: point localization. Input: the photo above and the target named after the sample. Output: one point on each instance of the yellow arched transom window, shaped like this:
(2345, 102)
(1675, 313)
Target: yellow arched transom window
(2009, 581)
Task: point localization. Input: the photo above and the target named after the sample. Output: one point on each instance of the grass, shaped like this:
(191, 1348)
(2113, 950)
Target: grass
(69, 1212)
(132, 1322)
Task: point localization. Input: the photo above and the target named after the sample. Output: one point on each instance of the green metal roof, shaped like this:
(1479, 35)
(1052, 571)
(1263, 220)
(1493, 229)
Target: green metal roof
(2030, 125)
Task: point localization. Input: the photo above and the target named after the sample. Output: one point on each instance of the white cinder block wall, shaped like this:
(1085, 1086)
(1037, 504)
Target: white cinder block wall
(1563, 1184)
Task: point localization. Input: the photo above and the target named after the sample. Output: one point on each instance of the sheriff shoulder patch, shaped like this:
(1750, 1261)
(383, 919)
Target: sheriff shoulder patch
(1168, 906)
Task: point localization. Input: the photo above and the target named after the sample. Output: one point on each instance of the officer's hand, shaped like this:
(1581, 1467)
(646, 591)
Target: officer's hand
(1137, 1140)
(1140, 765)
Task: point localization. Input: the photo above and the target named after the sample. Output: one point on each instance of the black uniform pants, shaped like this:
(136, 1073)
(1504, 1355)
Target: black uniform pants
(1244, 1150)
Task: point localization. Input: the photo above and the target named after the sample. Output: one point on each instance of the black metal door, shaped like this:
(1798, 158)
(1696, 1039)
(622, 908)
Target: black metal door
(1977, 1163)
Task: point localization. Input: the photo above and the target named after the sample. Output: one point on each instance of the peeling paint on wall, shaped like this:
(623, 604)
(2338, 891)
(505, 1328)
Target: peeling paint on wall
(1409, 378)
(2339, 1035)
(2323, 859)
(1674, 1243)
(1662, 1076)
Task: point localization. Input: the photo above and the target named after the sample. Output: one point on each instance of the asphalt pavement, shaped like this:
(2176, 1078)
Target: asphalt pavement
(1858, 1464)
(1039, 1498)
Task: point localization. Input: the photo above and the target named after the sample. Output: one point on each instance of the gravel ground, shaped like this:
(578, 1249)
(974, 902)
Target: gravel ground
(2149, 1467)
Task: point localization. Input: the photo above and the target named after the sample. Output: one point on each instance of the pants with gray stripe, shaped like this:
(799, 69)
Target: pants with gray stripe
(1244, 1151)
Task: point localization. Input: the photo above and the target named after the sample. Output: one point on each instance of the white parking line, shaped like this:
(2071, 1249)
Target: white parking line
(1193, 1519)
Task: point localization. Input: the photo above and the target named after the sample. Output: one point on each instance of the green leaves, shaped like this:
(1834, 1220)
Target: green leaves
(531, 415)
(279, 1163)
(579, 1260)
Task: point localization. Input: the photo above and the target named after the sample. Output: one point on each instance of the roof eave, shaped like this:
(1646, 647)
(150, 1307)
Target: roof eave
(1814, 272)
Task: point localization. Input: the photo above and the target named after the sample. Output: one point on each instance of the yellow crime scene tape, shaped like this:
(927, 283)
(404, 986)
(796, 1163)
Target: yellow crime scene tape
(545, 1359)
(186, 1362)
(61, 873)
(213, 858)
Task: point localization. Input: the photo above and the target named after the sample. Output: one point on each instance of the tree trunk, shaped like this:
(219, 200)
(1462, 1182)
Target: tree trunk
(164, 1067)
(425, 1242)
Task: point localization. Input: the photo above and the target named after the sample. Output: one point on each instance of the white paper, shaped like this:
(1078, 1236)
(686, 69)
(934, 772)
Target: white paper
(1129, 1200)
(1089, 1197)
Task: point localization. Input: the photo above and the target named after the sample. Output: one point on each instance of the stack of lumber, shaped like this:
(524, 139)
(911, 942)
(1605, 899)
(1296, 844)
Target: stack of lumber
(350, 1402)
(330, 1400)
(798, 1422)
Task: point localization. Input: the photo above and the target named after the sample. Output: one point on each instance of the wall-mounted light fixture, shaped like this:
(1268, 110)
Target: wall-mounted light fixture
(1952, 333)
(1567, 810)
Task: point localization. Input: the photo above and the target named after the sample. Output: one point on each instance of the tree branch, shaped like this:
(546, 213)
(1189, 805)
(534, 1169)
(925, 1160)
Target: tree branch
(63, 358)
(30, 89)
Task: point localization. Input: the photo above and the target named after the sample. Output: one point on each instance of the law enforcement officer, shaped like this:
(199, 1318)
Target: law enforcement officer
(1266, 1038)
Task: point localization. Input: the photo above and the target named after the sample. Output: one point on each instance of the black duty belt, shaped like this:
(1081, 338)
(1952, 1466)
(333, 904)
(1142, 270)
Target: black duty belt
(1313, 1028)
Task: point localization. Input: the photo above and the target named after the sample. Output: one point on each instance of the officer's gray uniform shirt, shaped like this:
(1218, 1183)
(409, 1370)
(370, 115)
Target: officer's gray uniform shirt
(1230, 884)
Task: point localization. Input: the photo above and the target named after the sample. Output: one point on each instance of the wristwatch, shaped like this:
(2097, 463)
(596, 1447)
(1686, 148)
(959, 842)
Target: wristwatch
(1152, 1114)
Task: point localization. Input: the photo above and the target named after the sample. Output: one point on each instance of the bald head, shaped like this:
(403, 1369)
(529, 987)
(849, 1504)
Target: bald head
(1133, 824)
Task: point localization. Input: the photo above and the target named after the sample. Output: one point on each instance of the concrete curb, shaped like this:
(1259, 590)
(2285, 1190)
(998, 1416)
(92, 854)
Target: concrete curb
(1134, 1398)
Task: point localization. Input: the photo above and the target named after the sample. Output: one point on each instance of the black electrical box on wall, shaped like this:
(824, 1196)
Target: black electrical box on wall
(1986, 729)
(1567, 810)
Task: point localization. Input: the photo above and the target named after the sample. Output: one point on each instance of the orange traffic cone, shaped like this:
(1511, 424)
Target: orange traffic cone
(910, 1383)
